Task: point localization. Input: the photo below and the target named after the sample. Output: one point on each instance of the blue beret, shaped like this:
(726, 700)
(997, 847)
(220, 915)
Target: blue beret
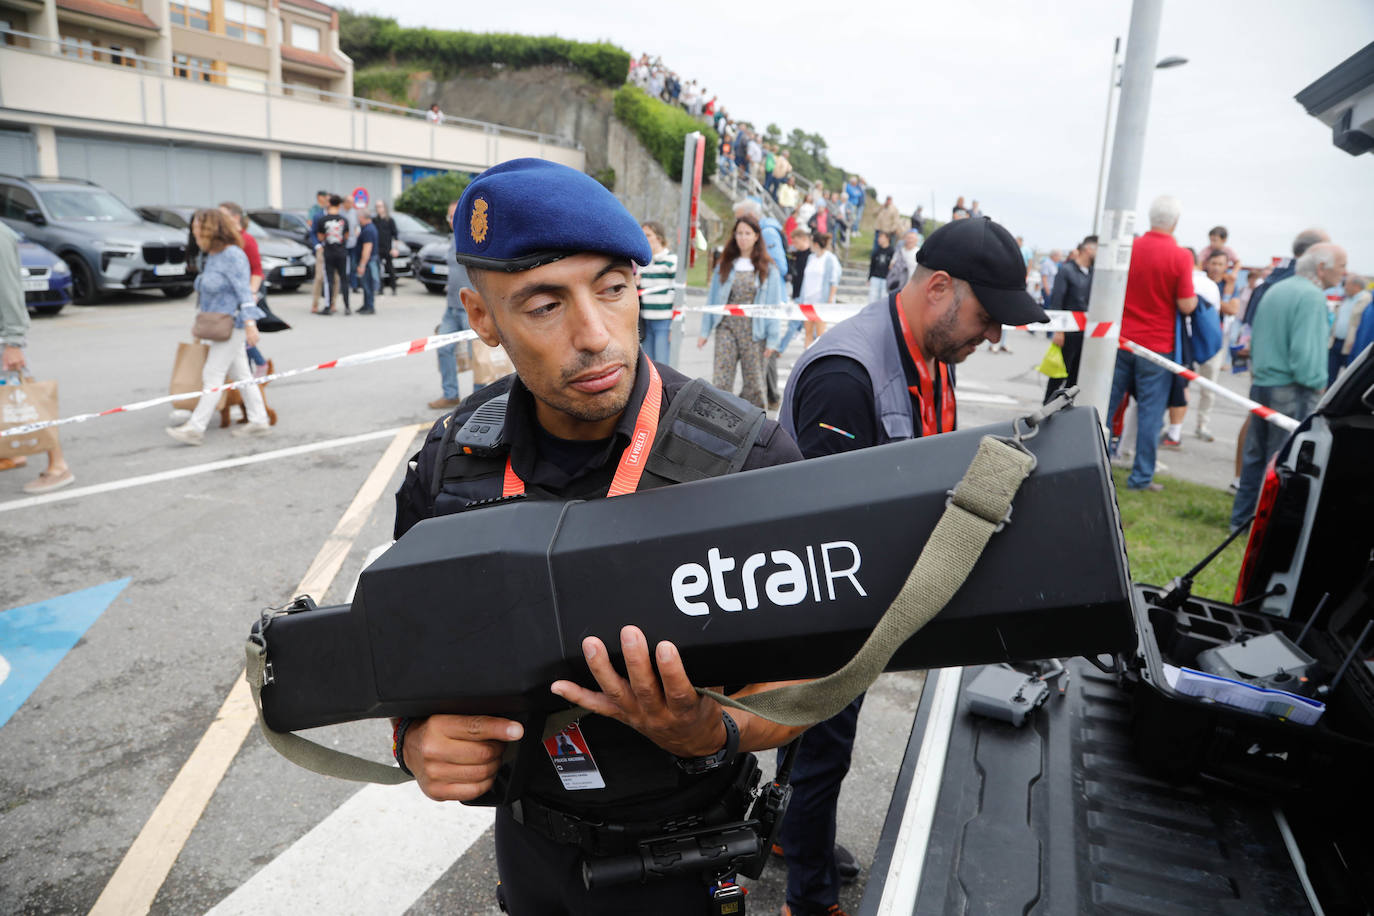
(527, 212)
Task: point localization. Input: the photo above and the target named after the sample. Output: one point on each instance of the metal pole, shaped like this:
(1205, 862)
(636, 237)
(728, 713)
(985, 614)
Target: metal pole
(1106, 131)
(1117, 232)
(685, 230)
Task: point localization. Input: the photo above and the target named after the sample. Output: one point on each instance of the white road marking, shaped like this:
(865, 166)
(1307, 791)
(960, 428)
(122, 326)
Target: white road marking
(406, 842)
(976, 397)
(135, 883)
(175, 473)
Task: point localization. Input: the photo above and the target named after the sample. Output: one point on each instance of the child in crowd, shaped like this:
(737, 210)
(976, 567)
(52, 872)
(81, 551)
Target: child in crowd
(878, 266)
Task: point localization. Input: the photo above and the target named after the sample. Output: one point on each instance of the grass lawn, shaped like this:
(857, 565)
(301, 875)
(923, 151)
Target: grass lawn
(1167, 533)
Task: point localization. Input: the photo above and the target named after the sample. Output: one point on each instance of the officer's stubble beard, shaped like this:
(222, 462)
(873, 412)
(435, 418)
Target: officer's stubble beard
(603, 406)
(940, 341)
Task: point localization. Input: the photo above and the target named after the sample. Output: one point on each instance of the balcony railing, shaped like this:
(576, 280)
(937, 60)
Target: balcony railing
(163, 73)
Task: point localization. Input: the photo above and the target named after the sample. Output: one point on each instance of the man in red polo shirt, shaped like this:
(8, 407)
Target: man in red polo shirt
(1158, 287)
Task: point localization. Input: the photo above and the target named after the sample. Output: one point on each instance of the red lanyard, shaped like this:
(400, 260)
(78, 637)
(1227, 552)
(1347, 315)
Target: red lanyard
(925, 392)
(636, 454)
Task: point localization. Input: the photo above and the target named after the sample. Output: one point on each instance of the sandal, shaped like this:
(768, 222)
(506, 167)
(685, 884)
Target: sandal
(50, 480)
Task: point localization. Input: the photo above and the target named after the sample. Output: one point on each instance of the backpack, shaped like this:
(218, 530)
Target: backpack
(1199, 334)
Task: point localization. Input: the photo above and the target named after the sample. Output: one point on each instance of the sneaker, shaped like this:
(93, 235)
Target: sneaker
(186, 434)
(1205, 435)
(251, 429)
(1234, 485)
(444, 403)
(832, 910)
(48, 481)
(1150, 487)
(1166, 442)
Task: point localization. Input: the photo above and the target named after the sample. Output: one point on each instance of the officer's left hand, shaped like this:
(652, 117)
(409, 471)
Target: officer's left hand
(664, 707)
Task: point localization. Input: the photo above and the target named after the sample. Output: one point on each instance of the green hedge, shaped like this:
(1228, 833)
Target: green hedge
(428, 198)
(383, 83)
(378, 39)
(661, 128)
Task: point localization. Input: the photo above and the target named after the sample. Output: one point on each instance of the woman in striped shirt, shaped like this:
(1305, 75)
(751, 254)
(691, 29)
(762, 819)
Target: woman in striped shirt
(656, 305)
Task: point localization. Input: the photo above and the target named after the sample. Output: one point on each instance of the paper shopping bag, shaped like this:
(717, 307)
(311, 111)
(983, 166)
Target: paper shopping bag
(186, 372)
(24, 401)
(489, 363)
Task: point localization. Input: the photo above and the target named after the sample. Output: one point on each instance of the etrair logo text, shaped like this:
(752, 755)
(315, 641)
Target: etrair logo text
(787, 579)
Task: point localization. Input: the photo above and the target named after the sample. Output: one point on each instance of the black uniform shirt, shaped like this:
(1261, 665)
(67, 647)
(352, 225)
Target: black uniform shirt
(642, 780)
(836, 391)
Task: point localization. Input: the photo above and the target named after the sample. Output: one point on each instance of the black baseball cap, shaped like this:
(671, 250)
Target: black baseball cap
(987, 258)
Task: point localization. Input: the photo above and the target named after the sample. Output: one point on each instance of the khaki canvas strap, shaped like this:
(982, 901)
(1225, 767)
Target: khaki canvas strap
(977, 508)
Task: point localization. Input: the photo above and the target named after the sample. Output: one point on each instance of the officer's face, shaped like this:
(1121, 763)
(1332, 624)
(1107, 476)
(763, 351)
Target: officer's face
(571, 329)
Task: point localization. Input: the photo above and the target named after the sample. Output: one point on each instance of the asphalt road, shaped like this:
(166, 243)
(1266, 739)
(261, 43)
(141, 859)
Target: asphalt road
(127, 598)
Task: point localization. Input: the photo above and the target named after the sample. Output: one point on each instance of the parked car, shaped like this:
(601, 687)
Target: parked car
(1123, 794)
(416, 232)
(287, 224)
(47, 278)
(431, 266)
(107, 245)
(285, 264)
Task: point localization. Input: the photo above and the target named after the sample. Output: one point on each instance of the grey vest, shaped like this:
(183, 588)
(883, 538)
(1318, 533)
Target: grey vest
(867, 337)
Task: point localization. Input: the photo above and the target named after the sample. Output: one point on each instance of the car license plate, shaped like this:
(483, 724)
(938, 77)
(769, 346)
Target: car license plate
(39, 285)
(169, 270)
(400, 263)
(294, 271)
(440, 270)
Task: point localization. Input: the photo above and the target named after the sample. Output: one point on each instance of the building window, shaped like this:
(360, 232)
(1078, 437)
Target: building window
(198, 69)
(245, 78)
(306, 37)
(81, 48)
(193, 14)
(245, 21)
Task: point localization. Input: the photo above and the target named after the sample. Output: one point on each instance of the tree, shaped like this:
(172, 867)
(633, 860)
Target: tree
(797, 139)
(772, 133)
(817, 146)
(428, 198)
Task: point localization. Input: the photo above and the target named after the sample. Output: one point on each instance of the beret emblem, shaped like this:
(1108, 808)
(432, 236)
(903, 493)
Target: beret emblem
(478, 224)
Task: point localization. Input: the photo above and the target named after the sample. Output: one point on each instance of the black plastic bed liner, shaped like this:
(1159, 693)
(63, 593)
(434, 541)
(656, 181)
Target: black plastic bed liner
(1059, 817)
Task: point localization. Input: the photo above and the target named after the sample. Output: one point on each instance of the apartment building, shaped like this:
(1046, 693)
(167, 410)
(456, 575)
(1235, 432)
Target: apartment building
(189, 101)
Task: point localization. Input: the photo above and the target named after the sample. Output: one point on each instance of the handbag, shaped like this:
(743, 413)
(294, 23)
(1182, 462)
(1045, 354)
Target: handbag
(217, 326)
(270, 323)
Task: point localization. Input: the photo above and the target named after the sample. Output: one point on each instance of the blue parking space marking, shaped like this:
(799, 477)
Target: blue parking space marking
(35, 637)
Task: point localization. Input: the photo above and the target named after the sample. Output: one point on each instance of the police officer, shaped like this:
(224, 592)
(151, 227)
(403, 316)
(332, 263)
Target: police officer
(884, 375)
(549, 255)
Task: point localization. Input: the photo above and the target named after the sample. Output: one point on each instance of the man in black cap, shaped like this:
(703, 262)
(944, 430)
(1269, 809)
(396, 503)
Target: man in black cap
(884, 375)
(550, 257)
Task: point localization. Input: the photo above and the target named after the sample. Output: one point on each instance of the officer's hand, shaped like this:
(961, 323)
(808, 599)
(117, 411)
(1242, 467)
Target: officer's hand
(455, 758)
(664, 707)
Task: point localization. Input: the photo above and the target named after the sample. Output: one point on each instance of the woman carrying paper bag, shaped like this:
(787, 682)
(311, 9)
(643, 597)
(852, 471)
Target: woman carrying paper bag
(14, 329)
(226, 318)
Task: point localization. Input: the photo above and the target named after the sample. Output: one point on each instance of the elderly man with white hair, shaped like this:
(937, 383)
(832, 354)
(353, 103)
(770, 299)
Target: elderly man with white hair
(1288, 347)
(1158, 287)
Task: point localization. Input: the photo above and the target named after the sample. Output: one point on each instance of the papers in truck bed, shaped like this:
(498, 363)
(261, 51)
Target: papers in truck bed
(1267, 702)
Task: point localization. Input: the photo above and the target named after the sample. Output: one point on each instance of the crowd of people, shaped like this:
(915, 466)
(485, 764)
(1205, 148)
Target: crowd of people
(1200, 307)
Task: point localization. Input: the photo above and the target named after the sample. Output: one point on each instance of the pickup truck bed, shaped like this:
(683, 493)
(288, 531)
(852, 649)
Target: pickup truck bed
(1059, 817)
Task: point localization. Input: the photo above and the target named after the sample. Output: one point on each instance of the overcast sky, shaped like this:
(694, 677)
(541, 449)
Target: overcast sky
(1004, 101)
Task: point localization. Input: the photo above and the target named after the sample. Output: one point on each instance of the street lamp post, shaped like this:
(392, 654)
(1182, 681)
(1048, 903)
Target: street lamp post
(1113, 81)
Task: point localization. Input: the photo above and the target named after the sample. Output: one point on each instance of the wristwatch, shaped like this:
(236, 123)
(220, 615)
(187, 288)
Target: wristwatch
(695, 766)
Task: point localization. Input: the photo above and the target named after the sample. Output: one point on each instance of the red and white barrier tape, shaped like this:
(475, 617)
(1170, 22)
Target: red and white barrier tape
(1256, 408)
(392, 351)
(839, 311)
